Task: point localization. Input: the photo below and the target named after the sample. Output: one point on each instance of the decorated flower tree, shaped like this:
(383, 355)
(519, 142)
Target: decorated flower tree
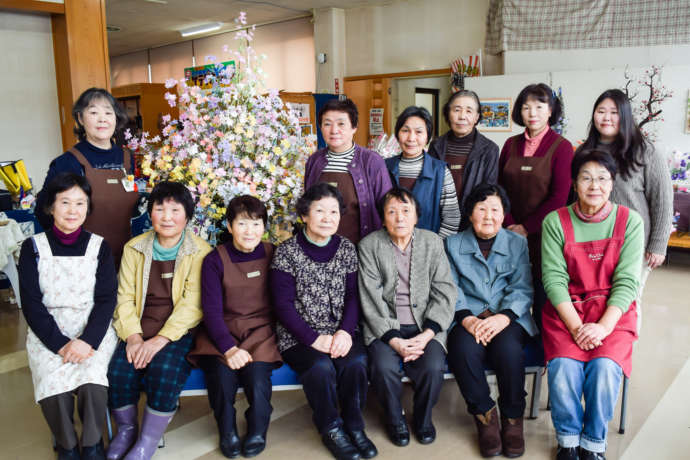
(231, 139)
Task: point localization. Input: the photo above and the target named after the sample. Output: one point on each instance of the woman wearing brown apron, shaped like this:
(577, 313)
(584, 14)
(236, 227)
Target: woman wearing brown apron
(534, 169)
(592, 253)
(97, 116)
(238, 346)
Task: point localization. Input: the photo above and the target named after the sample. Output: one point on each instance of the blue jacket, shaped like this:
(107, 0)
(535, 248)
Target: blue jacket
(501, 282)
(427, 189)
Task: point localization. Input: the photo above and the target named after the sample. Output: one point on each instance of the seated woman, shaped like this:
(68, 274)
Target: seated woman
(68, 289)
(158, 303)
(592, 252)
(237, 345)
(492, 318)
(408, 298)
(314, 288)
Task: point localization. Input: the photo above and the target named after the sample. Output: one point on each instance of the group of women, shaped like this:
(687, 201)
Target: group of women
(453, 254)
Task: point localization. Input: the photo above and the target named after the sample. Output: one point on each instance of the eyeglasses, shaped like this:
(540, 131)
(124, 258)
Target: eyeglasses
(588, 180)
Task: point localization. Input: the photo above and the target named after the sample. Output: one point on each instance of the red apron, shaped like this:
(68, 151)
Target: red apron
(591, 266)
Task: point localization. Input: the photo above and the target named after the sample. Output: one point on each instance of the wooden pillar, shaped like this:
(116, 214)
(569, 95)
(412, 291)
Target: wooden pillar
(80, 45)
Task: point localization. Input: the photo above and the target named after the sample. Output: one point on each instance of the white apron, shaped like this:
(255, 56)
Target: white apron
(68, 285)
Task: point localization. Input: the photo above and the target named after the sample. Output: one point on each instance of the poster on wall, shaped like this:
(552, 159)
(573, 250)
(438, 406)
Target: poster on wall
(375, 122)
(495, 115)
(302, 111)
(196, 76)
(687, 115)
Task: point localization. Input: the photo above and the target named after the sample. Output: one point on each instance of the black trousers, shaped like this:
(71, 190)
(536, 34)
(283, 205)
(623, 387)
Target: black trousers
(58, 410)
(539, 301)
(327, 382)
(223, 382)
(467, 360)
(426, 373)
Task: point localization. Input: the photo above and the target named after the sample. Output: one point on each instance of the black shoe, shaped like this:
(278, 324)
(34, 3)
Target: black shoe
(230, 445)
(94, 452)
(425, 435)
(253, 445)
(71, 454)
(589, 455)
(398, 433)
(366, 448)
(337, 441)
(567, 453)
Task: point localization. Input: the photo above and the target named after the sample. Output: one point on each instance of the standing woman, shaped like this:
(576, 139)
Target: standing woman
(472, 158)
(238, 343)
(158, 303)
(534, 169)
(314, 288)
(643, 184)
(97, 116)
(428, 178)
(68, 288)
(359, 174)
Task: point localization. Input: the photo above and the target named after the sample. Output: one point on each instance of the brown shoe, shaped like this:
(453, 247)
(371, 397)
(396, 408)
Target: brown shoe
(512, 437)
(489, 434)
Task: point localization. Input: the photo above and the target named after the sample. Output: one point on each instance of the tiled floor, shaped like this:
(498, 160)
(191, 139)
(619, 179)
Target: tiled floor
(658, 424)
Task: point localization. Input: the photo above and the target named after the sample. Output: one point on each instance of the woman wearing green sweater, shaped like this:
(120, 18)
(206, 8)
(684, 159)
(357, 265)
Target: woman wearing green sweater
(591, 256)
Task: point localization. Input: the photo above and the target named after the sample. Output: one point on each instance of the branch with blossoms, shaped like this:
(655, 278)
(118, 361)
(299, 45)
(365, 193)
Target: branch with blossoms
(647, 110)
(229, 140)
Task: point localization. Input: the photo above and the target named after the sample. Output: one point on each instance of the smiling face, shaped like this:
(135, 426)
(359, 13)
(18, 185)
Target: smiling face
(535, 115)
(323, 218)
(246, 232)
(463, 115)
(168, 219)
(399, 218)
(70, 209)
(99, 122)
(593, 186)
(487, 217)
(606, 120)
(337, 131)
(413, 137)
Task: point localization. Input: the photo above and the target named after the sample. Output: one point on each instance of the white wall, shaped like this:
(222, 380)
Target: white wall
(29, 118)
(289, 47)
(404, 92)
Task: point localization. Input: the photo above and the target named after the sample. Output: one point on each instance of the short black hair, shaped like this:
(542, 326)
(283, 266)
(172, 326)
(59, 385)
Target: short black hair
(414, 111)
(401, 194)
(246, 204)
(478, 194)
(598, 156)
(318, 192)
(457, 94)
(176, 191)
(83, 102)
(541, 92)
(61, 183)
(337, 105)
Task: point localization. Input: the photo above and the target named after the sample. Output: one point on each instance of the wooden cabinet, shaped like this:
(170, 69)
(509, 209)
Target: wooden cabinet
(367, 94)
(146, 106)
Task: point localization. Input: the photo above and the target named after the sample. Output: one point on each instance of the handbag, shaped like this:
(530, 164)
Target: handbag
(13, 174)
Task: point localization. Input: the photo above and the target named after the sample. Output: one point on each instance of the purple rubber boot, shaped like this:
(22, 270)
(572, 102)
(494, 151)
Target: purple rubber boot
(127, 430)
(152, 428)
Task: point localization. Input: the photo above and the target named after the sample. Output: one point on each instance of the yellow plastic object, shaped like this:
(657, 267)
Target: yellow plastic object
(13, 174)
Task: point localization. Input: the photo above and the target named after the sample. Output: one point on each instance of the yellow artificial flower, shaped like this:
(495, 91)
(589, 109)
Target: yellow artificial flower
(277, 150)
(285, 143)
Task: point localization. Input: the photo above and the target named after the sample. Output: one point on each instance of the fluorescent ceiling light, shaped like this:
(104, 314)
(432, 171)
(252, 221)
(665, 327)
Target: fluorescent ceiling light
(210, 27)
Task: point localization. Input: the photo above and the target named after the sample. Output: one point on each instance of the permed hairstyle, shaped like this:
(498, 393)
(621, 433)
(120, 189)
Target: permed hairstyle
(85, 100)
(541, 92)
(598, 156)
(61, 183)
(246, 205)
(175, 191)
(336, 105)
(478, 194)
(318, 192)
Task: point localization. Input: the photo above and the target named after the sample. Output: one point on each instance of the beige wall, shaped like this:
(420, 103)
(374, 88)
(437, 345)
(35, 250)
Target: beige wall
(289, 47)
(29, 118)
(404, 96)
(412, 35)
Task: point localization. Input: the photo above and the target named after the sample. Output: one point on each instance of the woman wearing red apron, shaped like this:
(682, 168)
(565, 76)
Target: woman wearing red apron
(534, 169)
(592, 253)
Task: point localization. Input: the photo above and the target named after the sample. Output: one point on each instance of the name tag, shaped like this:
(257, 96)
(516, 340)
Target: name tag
(253, 274)
(113, 181)
(166, 275)
(334, 184)
(455, 166)
(525, 168)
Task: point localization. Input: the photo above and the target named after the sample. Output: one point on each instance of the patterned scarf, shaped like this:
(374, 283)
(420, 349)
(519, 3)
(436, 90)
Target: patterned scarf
(597, 217)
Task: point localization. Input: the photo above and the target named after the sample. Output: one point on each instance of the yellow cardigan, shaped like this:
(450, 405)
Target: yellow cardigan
(133, 281)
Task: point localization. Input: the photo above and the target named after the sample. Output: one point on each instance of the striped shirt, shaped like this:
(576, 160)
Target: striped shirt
(450, 210)
(338, 162)
(460, 145)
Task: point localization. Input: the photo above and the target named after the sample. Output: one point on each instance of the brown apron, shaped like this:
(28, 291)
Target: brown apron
(349, 221)
(527, 181)
(456, 164)
(112, 204)
(407, 182)
(247, 310)
(158, 304)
